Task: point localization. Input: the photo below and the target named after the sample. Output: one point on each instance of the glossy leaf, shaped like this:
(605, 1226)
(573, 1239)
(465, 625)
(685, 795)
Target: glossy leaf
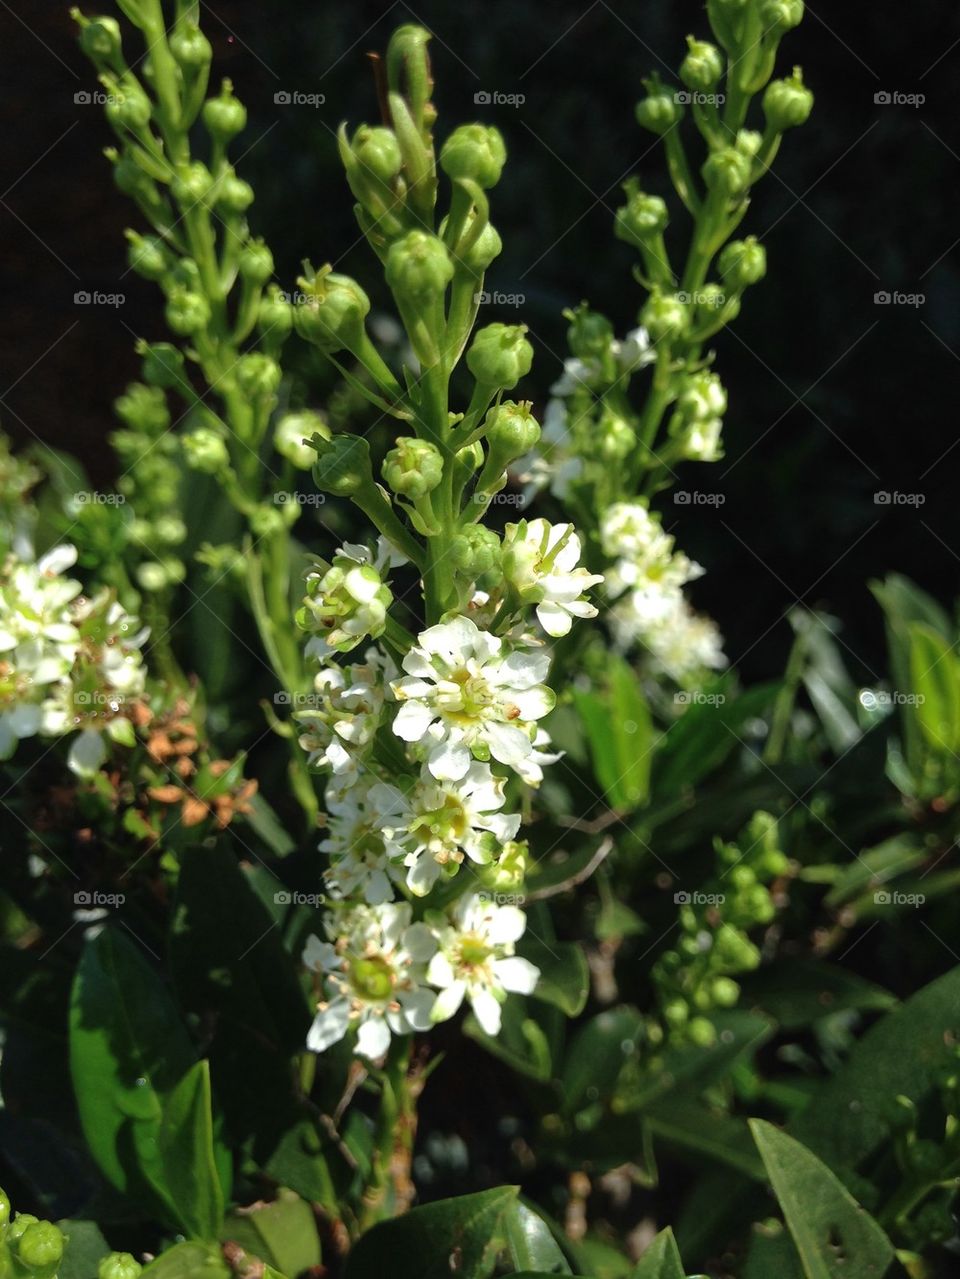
(531, 1243)
(833, 1235)
(661, 1260)
(188, 1261)
(189, 1159)
(454, 1236)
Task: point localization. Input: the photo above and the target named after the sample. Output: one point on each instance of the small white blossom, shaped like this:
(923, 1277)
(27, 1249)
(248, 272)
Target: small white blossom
(355, 845)
(442, 822)
(476, 961)
(348, 706)
(540, 562)
(372, 972)
(347, 600)
(464, 698)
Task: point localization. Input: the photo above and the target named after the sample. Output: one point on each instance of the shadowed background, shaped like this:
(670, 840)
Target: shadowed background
(833, 398)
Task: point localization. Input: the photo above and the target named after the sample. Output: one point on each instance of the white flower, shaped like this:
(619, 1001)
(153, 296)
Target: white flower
(442, 822)
(553, 463)
(340, 727)
(347, 600)
(681, 642)
(462, 697)
(635, 350)
(476, 961)
(540, 562)
(372, 976)
(355, 844)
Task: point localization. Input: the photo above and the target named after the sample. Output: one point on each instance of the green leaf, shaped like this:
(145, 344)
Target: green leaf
(847, 1123)
(935, 680)
(619, 730)
(564, 975)
(771, 1252)
(682, 1121)
(128, 1051)
(84, 1248)
(798, 992)
(188, 1261)
(282, 1233)
(661, 1260)
(190, 1164)
(834, 1236)
(461, 1237)
(522, 1042)
(597, 1054)
(531, 1243)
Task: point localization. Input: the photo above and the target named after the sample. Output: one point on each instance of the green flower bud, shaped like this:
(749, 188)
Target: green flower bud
(39, 1249)
(616, 438)
(143, 408)
(500, 355)
(724, 992)
(642, 217)
(702, 398)
(418, 268)
(742, 263)
(332, 313)
(291, 432)
(162, 364)
(413, 467)
(233, 195)
(190, 46)
(660, 110)
(702, 68)
(268, 521)
(192, 185)
(170, 530)
(702, 1033)
(119, 1265)
(127, 107)
(780, 16)
(475, 550)
(727, 171)
(204, 450)
(474, 152)
(255, 262)
(664, 316)
(787, 103)
(257, 375)
(100, 39)
(487, 247)
(676, 1013)
(147, 256)
(378, 152)
(4, 1209)
(186, 312)
(130, 179)
(343, 465)
(590, 334)
(511, 430)
(152, 576)
(748, 142)
(224, 116)
(346, 601)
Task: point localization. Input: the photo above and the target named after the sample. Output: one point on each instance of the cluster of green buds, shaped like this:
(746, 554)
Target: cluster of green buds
(433, 265)
(218, 381)
(697, 976)
(29, 1248)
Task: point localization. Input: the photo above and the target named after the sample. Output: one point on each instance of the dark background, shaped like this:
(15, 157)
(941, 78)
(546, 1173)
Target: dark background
(832, 397)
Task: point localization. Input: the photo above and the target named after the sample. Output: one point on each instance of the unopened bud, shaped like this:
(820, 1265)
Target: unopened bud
(742, 263)
(418, 268)
(413, 467)
(343, 464)
(333, 312)
(190, 46)
(500, 355)
(702, 68)
(727, 171)
(787, 103)
(255, 262)
(664, 316)
(224, 116)
(474, 152)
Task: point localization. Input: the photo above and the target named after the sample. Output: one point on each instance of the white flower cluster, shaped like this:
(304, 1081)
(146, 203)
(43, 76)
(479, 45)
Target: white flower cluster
(419, 756)
(67, 663)
(646, 586)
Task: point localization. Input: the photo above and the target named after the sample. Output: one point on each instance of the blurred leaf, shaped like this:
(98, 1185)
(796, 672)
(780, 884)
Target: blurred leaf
(454, 1236)
(797, 992)
(531, 1243)
(188, 1261)
(771, 1252)
(189, 1160)
(522, 1043)
(564, 975)
(682, 1121)
(620, 732)
(833, 1234)
(596, 1056)
(128, 1051)
(661, 1260)
(84, 1248)
(282, 1233)
(847, 1122)
(935, 680)
(875, 867)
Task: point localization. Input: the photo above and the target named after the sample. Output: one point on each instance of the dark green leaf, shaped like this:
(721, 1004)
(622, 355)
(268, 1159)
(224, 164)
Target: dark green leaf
(797, 992)
(461, 1237)
(661, 1260)
(564, 975)
(282, 1233)
(186, 1143)
(531, 1243)
(188, 1261)
(620, 732)
(834, 1236)
(597, 1054)
(84, 1248)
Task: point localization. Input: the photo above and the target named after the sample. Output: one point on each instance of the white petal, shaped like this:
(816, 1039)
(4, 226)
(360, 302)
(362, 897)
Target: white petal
(329, 1026)
(87, 753)
(449, 760)
(554, 619)
(419, 943)
(487, 1010)
(417, 1006)
(507, 924)
(373, 1038)
(440, 972)
(516, 974)
(508, 744)
(534, 703)
(412, 721)
(448, 1001)
(422, 875)
(319, 955)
